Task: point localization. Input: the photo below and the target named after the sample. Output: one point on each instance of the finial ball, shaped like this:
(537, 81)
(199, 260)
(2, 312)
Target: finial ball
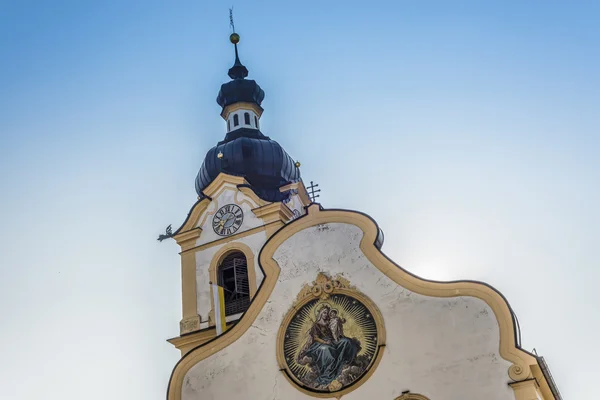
(234, 38)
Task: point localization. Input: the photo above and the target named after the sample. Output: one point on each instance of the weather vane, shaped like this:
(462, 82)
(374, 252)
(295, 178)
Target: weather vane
(231, 19)
(168, 234)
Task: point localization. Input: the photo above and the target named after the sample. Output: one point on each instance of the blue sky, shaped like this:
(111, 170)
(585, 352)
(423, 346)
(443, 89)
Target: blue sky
(469, 130)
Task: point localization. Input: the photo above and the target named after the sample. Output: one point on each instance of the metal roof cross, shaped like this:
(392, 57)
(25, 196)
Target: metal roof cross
(312, 193)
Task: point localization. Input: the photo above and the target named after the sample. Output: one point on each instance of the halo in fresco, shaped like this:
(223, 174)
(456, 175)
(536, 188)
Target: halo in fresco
(330, 342)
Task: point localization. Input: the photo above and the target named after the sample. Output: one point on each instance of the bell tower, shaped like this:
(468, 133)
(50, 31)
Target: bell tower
(248, 187)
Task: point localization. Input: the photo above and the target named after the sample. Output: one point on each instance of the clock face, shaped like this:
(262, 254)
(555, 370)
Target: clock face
(228, 220)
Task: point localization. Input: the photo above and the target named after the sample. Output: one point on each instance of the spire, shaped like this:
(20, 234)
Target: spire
(238, 71)
(239, 89)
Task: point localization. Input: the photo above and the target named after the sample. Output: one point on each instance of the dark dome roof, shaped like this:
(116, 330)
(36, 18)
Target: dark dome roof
(240, 90)
(249, 153)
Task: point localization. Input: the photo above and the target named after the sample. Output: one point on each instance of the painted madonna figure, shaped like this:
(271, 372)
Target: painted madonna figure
(327, 352)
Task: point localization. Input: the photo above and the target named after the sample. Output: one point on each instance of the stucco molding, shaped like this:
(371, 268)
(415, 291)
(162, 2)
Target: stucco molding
(274, 212)
(519, 371)
(302, 193)
(222, 179)
(267, 228)
(208, 206)
(527, 390)
(411, 396)
(192, 218)
(189, 341)
(258, 110)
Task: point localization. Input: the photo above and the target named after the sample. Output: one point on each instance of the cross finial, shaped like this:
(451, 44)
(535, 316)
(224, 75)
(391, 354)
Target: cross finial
(312, 193)
(231, 19)
(238, 71)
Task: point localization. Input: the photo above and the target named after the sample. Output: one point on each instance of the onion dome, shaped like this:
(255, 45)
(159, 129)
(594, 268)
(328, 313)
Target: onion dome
(245, 151)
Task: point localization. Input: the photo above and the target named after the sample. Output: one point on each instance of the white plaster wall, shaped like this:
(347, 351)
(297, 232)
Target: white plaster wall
(231, 195)
(240, 113)
(446, 349)
(203, 260)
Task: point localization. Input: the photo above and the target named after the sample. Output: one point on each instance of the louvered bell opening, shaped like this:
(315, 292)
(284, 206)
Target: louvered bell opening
(233, 277)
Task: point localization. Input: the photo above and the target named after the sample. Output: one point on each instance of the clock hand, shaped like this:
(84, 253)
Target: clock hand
(230, 216)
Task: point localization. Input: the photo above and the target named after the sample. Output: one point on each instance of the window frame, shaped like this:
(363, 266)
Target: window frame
(236, 285)
(213, 277)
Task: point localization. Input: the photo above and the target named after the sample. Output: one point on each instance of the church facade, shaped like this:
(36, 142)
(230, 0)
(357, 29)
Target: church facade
(313, 308)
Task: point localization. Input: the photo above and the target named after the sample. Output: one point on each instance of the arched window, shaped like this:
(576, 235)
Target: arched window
(233, 277)
(247, 118)
(236, 120)
(256, 122)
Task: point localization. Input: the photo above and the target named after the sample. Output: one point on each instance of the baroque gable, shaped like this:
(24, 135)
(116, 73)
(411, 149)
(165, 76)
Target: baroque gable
(435, 330)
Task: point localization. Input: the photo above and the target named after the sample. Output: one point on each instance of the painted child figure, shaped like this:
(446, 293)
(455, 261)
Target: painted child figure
(335, 325)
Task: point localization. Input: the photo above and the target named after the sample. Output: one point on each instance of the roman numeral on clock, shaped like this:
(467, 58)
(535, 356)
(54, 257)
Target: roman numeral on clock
(228, 219)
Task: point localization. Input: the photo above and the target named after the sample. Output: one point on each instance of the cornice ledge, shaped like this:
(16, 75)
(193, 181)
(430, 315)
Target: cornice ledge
(274, 212)
(222, 179)
(239, 106)
(300, 188)
(188, 238)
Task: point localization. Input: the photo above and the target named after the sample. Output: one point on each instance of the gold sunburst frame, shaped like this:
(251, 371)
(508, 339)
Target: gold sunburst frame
(322, 289)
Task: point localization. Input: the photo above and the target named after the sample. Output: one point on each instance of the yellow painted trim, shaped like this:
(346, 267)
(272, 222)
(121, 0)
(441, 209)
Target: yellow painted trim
(250, 193)
(274, 212)
(187, 342)
(527, 390)
(258, 110)
(233, 237)
(254, 201)
(519, 371)
(193, 357)
(302, 193)
(273, 227)
(187, 239)
(222, 308)
(189, 233)
(210, 210)
(543, 385)
(411, 396)
(213, 190)
(193, 217)
(220, 180)
(190, 320)
(323, 287)
(216, 261)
